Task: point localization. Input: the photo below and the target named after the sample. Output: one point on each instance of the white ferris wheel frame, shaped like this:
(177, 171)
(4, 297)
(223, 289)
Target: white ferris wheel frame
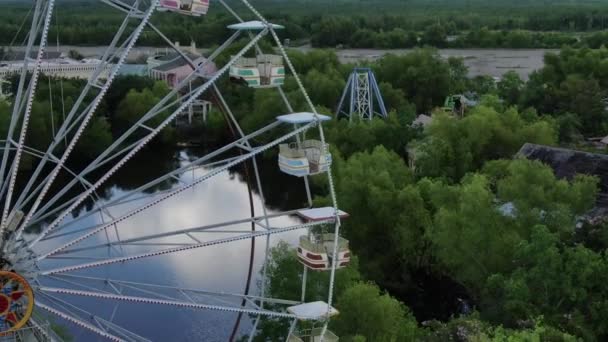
(39, 208)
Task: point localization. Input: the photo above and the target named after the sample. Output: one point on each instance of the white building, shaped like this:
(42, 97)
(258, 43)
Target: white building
(52, 64)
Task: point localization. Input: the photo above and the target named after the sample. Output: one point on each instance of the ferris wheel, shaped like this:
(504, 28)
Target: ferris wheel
(51, 259)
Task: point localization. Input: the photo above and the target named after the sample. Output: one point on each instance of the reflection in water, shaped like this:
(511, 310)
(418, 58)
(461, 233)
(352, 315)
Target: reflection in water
(218, 268)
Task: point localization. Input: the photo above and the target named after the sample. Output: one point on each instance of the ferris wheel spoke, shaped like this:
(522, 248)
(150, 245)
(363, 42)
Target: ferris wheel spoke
(168, 292)
(166, 302)
(192, 246)
(78, 322)
(38, 327)
(130, 196)
(131, 42)
(123, 200)
(160, 107)
(57, 233)
(28, 109)
(177, 191)
(147, 138)
(86, 316)
(46, 211)
(211, 228)
(19, 103)
(50, 207)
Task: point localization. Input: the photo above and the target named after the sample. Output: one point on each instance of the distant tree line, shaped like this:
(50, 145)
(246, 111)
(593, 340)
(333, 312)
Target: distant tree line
(348, 24)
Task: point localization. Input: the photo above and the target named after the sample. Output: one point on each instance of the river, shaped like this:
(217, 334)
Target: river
(218, 268)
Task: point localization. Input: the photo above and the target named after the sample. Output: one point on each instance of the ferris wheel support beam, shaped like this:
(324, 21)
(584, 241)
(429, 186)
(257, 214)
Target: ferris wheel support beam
(67, 126)
(28, 109)
(44, 209)
(202, 229)
(17, 109)
(71, 121)
(123, 199)
(157, 109)
(174, 303)
(126, 197)
(209, 175)
(78, 322)
(245, 236)
(102, 324)
(112, 204)
(131, 42)
(185, 292)
(231, 162)
(152, 113)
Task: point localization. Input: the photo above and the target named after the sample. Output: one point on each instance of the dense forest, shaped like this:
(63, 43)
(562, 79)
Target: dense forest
(437, 257)
(357, 24)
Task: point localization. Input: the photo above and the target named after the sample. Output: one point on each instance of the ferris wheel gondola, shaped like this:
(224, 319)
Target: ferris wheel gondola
(194, 8)
(66, 258)
(261, 71)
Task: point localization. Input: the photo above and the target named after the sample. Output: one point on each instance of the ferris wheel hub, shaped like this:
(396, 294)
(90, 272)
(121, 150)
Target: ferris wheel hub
(16, 302)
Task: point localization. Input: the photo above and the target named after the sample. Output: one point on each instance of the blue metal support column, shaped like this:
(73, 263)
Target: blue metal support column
(363, 95)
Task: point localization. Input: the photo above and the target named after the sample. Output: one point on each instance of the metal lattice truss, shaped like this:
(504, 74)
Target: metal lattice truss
(64, 257)
(361, 97)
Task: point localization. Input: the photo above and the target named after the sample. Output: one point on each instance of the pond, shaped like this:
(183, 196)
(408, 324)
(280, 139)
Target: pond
(218, 268)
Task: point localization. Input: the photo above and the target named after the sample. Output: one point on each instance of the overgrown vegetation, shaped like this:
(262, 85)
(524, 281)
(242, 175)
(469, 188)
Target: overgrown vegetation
(470, 236)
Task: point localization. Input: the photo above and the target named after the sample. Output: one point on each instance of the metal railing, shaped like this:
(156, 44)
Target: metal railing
(318, 243)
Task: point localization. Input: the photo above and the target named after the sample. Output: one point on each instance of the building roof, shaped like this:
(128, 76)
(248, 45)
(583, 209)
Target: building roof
(20, 55)
(174, 60)
(133, 69)
(567, 163)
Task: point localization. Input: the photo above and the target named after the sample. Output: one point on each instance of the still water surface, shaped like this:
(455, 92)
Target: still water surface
(218, 268)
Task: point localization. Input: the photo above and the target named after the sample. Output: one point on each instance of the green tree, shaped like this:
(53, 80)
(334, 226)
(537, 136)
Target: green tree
(135, 105)
(422, 75)
(435, 35)
(480, 222)
(509, 87)
(387, 213)
(585, 98)
(552, 280)
(366, 312)
(95, 139)
(451, 147)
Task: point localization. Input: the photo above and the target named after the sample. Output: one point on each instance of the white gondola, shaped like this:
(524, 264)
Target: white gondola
(262, 71)
(189, 7)
(316, 251)
(314, 311)
(307, 157)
